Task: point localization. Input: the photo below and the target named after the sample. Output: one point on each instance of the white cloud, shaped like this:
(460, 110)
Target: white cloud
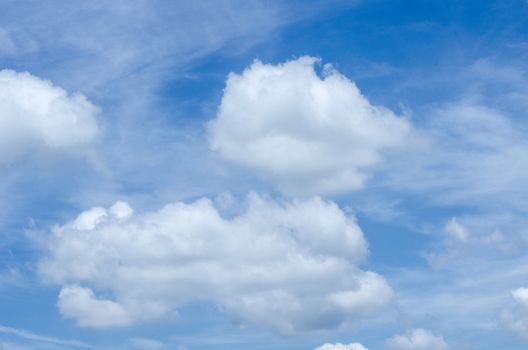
(475, 156)
(456, 230)
(35, 115)
(516, 318)
(81, 304)
(339, 346)
(105, 48)
(290, 266)
(37, 338)
(13, 346)
(417, 339)
(310, 134)
(520, 295)
(146, 344)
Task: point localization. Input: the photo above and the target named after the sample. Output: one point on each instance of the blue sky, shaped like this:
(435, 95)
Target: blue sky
(330, 175)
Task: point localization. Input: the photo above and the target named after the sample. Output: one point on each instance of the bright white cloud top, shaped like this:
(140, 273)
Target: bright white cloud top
(417, 339)
(288, 265)
(339, 346)
(36, 115)
(311, 134)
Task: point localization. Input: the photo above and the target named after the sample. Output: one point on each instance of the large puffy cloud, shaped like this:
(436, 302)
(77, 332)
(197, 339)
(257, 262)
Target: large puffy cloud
(292, 266)
(36, 115)
(516, 318)
(310, 134)
(417, 339)
(339, 346)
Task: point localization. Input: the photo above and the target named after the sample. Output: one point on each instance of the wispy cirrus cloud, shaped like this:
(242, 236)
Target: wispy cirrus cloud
(27, 335)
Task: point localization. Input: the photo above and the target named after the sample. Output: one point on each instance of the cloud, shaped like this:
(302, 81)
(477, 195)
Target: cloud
(81, 304)
(37, 116)
(104, 47)
(474, 163)
(339, 346)
(30, 336)
(516, 318)
(456, 230)
(13, 346)
(146, 344)
(417, 339)
(289, 265)
(310, 134)
(475, 156)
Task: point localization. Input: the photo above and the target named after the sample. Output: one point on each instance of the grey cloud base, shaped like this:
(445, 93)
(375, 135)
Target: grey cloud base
(289, 265)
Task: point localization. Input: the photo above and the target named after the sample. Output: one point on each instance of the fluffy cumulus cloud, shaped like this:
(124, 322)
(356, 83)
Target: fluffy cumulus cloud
(339, 346)
(36, 115)
(288, 265)
(417, 339)
(310, 133)
(516, 318)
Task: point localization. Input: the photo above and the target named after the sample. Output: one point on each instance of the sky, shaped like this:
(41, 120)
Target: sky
(297, 175)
